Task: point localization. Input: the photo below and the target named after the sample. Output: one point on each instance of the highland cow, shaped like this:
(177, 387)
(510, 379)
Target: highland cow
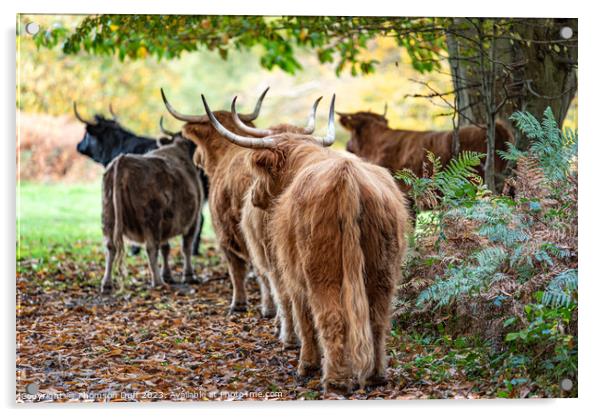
(149, 199)
(105, 139)
(372, 140)
(337, 228)
(225, 167)
(254, 227)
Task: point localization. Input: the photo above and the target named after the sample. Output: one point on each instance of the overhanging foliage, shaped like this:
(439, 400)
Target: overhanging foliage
(332, 38)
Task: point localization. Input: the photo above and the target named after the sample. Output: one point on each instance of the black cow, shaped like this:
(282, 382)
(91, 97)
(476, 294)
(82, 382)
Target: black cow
(105, 139)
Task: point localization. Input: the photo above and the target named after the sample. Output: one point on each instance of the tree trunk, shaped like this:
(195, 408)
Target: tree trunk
(549, 76)
(538, 68)
(544, 69)
(488, 69)
(460, 116)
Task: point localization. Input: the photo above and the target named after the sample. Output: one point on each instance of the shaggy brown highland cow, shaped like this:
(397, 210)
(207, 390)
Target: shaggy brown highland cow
(149, 199)
(229, 180)
(337, 227)
(254, 227)
(372, 140)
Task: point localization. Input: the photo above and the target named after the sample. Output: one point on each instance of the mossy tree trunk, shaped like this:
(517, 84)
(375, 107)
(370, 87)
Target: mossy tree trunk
(532, 66)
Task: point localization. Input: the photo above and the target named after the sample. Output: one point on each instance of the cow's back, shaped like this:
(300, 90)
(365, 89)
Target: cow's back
(158, 196)
(309, 214)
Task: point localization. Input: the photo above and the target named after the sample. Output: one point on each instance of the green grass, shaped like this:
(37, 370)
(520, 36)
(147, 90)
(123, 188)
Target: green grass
(55, 219)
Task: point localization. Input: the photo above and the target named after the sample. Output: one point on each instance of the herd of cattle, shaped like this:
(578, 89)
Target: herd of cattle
(324, 230)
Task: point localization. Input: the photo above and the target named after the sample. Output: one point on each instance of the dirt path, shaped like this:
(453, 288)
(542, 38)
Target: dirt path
(174, 344)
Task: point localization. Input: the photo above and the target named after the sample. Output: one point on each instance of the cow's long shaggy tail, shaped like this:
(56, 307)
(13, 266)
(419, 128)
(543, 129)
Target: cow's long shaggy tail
(118, 227)
(354, 297)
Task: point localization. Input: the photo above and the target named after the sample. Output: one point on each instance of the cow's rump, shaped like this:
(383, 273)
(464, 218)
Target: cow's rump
(157, 196)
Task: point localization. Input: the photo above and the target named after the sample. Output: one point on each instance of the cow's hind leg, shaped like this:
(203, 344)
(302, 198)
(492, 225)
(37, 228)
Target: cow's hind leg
(165, 270)
(309, 357)
(106, 284)
(237, 268)
(380, 291)
(187, 244)
(379, 322)
(287, 326)
(285, 312)
(152, 249)
(196, 244)
(268, 308)
(330, 322)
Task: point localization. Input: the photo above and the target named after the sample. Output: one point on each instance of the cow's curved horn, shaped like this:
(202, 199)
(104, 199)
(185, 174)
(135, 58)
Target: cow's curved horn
(252, 116)
(385, 112)
(308, 130)
(180, 116)
(112, 112)
(247, 129)
(246, 142)
(78, 116)
(165, 131)
(330, 133)
(311, 121)
(203, 119)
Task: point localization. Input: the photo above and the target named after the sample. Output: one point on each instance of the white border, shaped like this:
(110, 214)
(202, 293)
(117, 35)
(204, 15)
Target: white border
(589, 192)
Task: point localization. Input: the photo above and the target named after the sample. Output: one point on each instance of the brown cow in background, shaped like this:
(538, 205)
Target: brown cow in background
(337, 226)
(149, 199)
(394, 149)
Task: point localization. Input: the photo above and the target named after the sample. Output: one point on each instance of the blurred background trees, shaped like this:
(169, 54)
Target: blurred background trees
(498, 66)
(50, 80)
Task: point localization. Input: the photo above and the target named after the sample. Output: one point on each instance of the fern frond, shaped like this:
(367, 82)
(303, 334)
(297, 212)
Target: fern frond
(513, 153)
(560, 290)
(553, 149)
(466, 279)
(528, 124)
(458, 172)
(407, 176)
(435, 163)
(490, 259)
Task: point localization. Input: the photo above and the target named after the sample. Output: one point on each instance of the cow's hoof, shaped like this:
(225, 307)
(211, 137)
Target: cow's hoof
(158, 285)
(307, 369)
(376, 380)
(238, 308)
(291, 344)
(342, 386)
(106, 289)
(268, 313)
(168, 278)
(192, 280)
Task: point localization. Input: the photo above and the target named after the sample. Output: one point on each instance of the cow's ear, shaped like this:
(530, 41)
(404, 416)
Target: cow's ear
(349, 122)
(163, 141)
(93, 130)
(262, 192)
(195, 133)
(198, 158)
(268, 160)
